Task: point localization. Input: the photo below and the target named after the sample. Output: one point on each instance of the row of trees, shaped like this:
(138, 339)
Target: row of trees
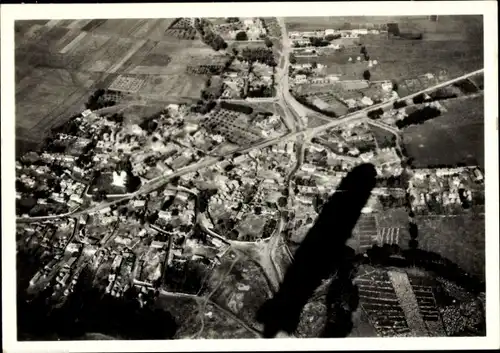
(203, 107)
(260, 91)
(330, 37)
(262, 55)
(98, 100)
(236, 107)
(117, 118)
(318, 42)
(418, 117)
(208, 36)
(375, 114)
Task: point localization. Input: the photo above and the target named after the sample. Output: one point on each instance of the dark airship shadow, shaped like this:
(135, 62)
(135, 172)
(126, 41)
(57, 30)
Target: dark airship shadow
(323, 254)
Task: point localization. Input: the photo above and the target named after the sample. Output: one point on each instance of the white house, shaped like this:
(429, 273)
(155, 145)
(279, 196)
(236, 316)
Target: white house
(248, 22)
(119, 179)
(300, 79)
(387, 86)
(330, 31)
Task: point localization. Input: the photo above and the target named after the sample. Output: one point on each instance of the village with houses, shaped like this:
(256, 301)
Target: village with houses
(197, 207)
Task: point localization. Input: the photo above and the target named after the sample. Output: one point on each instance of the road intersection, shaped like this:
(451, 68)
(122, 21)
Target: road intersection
(294, 117)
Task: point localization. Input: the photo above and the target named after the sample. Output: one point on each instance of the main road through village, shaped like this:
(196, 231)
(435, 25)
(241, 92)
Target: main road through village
(295, 114)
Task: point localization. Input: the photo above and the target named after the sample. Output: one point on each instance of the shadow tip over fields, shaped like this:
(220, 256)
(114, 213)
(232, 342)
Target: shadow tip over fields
(323, 253)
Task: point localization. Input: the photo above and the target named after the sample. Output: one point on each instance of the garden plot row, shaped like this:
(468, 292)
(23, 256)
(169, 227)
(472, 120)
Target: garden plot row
(230, 125)
(378, 299)
(365, 232)
(205, 69)
(182, 33)
(272, 26)
(181, 23)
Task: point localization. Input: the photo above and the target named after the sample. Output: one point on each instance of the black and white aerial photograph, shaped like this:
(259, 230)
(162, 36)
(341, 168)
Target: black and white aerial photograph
(249, 177)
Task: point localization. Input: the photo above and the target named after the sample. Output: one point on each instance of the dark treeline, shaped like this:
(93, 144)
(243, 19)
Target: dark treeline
(418, 117)
(203, 107)
(375, 114)
(399, 104)
(208, 36)
(185, 277)
(236, 107)
(261, 55)
(98, 100)
(260, 91)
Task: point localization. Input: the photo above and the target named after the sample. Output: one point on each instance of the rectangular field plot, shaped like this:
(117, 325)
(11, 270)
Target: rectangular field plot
(144, 27)
(332, 103)
(134, 48)
(366, 230)
(323, 22)
(460, 239)
(108, 55)
(233, 126)
(78, 24)
(59, 23)
(457, 136)
(156, 60)
(68, 38)
(119, 27)
(136, 55)
(85, 43)
(146, 56)
(157, 31)
(127, 84)
(37, 103)
(151, 70)
(93, 24)
(184, 33)
(47, 93)
(173, 85)
(54, 34)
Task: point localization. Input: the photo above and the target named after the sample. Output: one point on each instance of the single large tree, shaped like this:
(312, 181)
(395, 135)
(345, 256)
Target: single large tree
(242, 35)
(367, 75)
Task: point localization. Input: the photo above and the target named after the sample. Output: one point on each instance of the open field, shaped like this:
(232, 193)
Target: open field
(244, 289)
(172, 85)
(453, 44)
(217, 324)
(272, 25)
(46, 98)
(448, 24)
(239, 45)
(182, 309)
(457, 136)
(460, 239)
(323, 22)
(383, 137)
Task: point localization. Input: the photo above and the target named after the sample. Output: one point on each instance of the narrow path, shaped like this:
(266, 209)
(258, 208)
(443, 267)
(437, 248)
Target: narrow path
(408, 302)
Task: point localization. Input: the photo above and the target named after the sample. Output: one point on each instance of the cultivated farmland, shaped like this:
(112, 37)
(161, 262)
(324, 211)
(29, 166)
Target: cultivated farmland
(457, 136)
(143, 57)
(452, 46)
(182, 28)
(172, 85)
(234, 126)
(460, 239)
